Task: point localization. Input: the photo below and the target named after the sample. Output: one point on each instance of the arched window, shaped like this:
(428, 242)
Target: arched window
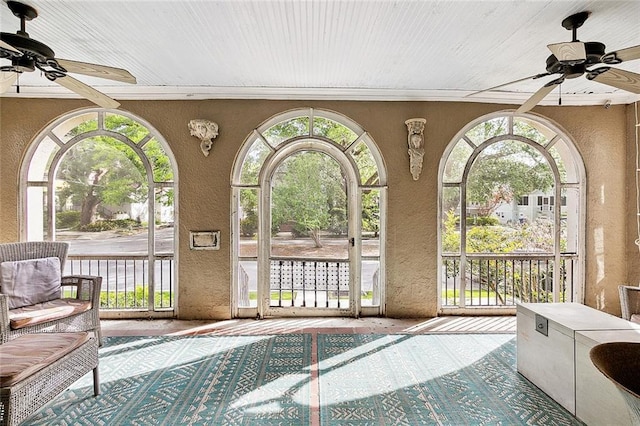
(308, 197)
(105, 181)
(510, 208)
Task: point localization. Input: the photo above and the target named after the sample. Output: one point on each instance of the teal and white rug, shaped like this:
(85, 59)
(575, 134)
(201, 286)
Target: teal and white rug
(230, 380)
(428, 380)
(307, 379)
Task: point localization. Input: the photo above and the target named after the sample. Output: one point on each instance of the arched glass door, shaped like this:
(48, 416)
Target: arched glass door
(308, 219)
(311, 265)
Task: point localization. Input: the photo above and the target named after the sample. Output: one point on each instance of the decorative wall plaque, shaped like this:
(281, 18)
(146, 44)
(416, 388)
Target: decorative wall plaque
(206, 131)
(415, 139)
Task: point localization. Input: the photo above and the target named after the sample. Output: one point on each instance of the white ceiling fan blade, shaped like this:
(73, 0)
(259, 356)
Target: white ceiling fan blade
(622, 55)
(11, 51)
(572, 52)
(7, 79)
(94, 70)
(87, 92)
(621, 79)
(532, 77)
(538, 96)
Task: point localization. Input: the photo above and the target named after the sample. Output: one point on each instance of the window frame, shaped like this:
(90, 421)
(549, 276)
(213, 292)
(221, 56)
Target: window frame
(575, 178)
(64, 124)
(277, 152)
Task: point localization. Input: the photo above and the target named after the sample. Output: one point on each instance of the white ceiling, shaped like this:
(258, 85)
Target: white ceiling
(323, 49)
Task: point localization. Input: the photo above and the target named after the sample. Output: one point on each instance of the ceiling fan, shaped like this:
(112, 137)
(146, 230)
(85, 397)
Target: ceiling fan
(27, 54)
(573, 59)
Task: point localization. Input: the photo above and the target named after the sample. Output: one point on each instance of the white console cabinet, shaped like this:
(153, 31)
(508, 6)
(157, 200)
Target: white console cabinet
(553, 341)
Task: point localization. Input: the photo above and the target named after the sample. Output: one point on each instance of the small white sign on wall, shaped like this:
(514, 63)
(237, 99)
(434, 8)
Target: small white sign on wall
(205, 240)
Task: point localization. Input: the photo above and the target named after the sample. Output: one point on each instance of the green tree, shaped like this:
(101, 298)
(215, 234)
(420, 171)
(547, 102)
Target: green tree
(102, 169)
(304, 177)
(505, 171)
(249, 204)
(95, 172)
(308, 190)
(371, 211)
(286, 130)
(537, 236)
(333, 130)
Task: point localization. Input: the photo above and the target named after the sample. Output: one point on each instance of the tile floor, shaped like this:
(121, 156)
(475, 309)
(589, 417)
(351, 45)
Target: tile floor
(495, 324)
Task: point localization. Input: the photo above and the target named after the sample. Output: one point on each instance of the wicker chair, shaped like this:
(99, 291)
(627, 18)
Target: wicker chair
(630, 302)
(37, 367)
(86, 288)
(620, 363)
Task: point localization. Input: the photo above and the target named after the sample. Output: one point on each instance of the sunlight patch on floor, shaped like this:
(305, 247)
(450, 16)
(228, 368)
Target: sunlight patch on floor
(498, 324)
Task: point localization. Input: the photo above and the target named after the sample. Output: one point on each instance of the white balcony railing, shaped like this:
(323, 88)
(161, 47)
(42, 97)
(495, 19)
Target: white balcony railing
(505, 279)
(128, 283)
(488, 280)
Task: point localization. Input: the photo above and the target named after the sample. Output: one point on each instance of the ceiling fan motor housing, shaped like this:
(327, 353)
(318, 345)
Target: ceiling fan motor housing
(34, 53)
(40, 52)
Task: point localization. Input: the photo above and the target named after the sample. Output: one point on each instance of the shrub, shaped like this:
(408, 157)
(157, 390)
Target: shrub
(482, 221)
(98, 226)
(136, 299)
(107, 225)
(249, 225)
(67, 220)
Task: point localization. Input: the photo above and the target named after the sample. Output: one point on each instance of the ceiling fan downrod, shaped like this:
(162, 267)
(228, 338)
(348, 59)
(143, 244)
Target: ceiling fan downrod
(574, 22)
(24, 12)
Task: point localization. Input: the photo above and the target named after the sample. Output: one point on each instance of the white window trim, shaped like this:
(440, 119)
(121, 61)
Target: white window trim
(67, 122)
(277, 154)
(579, 182)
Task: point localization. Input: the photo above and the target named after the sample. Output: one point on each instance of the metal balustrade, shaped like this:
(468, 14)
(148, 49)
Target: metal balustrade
(308, 282)
(489, 280)
(127, 281)
(506, 279)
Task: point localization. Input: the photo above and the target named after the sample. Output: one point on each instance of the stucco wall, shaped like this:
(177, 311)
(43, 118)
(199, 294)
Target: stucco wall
(601, 137)
(633, 255)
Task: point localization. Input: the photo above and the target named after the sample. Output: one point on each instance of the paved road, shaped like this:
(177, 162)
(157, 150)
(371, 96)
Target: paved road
(111, 242)
(117, 276)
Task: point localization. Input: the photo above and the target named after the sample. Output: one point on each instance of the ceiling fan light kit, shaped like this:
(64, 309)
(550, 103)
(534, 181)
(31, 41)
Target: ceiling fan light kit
(27, 55)
(573, 59)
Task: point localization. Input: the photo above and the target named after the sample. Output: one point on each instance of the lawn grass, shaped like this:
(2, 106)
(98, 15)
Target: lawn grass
(138, 299)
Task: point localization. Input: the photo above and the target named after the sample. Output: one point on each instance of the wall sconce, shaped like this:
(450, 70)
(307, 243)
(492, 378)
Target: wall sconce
(415, 139)
(206, 131)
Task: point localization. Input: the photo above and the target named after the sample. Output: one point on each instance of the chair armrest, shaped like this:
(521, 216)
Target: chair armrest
(4, 318)
(88, 287)
(629, 300)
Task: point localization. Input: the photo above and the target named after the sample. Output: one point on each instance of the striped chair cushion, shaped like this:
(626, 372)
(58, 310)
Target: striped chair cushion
(47, 311)
(27, 354)
(30, 281)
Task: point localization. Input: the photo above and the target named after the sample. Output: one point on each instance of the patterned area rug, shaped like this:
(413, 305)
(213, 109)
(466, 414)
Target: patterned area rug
(211, 380)
(428, 380)
(358, 379)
